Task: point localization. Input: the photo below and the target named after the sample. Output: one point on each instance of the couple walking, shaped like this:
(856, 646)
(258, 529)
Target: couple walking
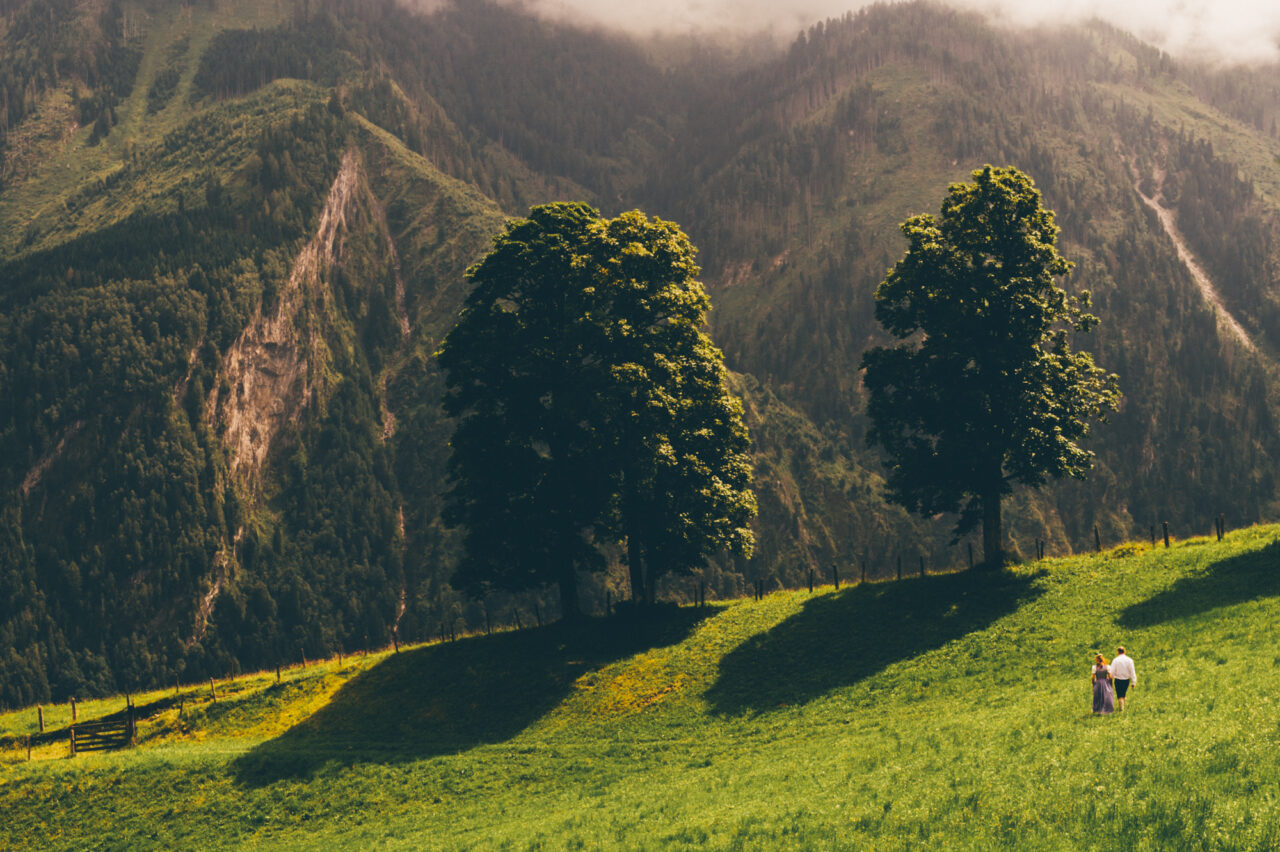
(1120, 674)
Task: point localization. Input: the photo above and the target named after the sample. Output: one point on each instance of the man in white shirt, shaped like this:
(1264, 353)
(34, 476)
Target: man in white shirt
(1124, 675)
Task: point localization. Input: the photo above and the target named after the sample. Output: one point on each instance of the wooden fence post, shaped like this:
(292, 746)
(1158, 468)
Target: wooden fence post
(28, 748)
(277, 673)
(73, 740)
(810, 581)
(73, 710)
(1097, 539)
(40, 717)
(1153, 535)
(1166, 533)
(835, 575)
(213, 695)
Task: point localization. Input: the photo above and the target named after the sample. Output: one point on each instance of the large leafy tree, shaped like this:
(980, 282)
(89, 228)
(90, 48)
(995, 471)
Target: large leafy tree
(591, 407)
(682, 473)
(984, 391)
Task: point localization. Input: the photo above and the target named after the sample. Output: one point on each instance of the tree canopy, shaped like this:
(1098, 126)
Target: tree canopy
(592, 408)
(985, 390)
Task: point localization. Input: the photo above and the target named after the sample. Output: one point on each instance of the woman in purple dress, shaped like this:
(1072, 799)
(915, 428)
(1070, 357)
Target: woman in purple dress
(1104, 702)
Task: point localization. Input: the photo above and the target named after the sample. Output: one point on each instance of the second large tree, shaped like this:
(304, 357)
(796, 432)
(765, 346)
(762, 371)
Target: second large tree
(984, 390)
(592, 407)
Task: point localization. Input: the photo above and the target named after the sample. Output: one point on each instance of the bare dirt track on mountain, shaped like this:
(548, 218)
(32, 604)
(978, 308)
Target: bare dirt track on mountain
(1198, 274)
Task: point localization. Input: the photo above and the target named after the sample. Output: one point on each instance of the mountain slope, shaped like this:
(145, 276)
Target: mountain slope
(232, 236)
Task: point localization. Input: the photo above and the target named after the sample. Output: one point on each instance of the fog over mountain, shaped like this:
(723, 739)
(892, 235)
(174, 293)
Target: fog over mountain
(1233, 31)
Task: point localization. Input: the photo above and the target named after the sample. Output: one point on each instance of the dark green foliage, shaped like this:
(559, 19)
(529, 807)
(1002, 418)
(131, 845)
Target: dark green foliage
(240, 61)
(591, 406)
(528, 487)
(986, 391)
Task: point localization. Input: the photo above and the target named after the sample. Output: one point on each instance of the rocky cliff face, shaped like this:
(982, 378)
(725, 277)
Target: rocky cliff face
(279, 364)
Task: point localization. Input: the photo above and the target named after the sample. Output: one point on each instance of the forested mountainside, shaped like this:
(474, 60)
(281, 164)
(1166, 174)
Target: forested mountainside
(232, 235)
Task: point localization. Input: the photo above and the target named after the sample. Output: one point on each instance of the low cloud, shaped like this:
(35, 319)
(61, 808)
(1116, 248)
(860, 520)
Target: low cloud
(1236, 31)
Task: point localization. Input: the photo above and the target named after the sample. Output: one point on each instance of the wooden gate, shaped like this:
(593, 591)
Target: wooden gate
(102, 735)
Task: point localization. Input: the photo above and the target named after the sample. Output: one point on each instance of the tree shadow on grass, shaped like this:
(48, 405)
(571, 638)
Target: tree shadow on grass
(1245, 577)
(442, 699)
(838, 640)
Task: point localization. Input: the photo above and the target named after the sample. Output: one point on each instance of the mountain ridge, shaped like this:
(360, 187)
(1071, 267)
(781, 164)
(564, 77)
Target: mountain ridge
(135, 262)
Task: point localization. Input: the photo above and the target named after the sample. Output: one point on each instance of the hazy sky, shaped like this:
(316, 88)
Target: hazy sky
(1231, 30)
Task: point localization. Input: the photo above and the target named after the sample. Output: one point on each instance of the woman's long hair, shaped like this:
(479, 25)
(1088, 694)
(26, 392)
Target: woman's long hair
(1100, 660)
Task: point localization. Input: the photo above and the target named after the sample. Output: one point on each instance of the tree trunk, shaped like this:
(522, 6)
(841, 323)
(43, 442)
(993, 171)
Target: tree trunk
(569, 609)
(992, 549)
(635, 566)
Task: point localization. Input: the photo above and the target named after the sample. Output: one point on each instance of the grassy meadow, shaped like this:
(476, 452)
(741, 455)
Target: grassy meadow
(947, 711)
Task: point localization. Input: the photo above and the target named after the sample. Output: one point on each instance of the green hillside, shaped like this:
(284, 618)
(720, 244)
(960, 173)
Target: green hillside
(945, 711)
